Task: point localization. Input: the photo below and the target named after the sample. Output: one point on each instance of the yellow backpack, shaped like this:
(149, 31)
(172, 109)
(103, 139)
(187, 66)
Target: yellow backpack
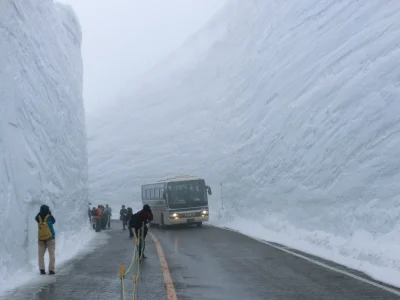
(44, 229)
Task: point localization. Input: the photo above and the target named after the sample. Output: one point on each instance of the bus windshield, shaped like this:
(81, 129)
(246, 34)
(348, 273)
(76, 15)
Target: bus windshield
(187, 194)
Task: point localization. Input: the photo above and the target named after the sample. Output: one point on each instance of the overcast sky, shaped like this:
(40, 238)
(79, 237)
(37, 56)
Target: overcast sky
(123, 38)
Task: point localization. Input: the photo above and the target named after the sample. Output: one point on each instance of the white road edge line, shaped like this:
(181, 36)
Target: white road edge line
(321, 264)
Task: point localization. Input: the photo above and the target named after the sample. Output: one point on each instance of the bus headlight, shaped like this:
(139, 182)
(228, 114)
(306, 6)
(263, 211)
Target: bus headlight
(204, 212)
(174, 215)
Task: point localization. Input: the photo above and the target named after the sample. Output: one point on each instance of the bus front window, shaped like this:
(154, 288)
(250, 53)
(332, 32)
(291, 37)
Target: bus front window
(186, 194)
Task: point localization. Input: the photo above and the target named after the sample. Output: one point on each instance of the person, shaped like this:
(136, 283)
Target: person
(94, 214)
(90, 213)
(128, 217)
(108, 212)
(138, 222)
(46, 238)
(104, 217)
(99, 214)
(122, 216)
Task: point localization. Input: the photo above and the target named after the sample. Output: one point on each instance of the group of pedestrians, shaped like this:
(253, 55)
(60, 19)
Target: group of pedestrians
(100, 217)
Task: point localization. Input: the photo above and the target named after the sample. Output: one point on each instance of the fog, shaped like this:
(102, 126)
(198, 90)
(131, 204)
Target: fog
(124, 38)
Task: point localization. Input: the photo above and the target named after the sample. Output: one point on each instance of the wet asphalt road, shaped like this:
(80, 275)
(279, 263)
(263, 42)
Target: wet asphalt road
(210, 263)
(205, 263)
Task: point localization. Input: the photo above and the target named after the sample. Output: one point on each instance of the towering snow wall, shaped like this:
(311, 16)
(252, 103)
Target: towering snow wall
(294, 106)
(43, 154)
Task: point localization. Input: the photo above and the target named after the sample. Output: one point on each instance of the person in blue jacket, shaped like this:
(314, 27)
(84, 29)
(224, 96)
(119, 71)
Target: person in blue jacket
(44, 244)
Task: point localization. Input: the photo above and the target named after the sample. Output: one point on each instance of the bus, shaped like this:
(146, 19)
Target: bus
(177, 200)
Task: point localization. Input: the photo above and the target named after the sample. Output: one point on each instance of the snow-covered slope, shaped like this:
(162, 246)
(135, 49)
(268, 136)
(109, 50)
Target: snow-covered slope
(43, 153)
(295, 107)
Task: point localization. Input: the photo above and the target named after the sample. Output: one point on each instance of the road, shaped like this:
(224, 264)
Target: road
(204, 263)
(210, 263)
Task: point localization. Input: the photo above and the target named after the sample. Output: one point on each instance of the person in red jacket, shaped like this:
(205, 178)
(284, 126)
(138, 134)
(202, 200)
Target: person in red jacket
(138, 221)
(99, 215)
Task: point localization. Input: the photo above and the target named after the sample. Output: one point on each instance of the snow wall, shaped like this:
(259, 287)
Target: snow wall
(43, 149)
(294, 106)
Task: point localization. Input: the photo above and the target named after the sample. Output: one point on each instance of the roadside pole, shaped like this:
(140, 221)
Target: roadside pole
(222, 197)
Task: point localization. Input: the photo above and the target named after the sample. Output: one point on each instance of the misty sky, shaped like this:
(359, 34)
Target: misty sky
(123, 38)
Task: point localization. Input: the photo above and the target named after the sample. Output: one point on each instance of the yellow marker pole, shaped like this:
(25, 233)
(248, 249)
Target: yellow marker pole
(134, 287)
(122, 271)
(121, 276)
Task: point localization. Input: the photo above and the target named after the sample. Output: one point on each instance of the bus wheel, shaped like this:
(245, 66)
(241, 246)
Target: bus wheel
(199, 224)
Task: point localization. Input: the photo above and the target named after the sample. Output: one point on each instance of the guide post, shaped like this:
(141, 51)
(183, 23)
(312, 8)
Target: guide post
(222, 198)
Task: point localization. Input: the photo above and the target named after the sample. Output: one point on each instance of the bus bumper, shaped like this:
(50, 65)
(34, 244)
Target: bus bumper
(190, 220)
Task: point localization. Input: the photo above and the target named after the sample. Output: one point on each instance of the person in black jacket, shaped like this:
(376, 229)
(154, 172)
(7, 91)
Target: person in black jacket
(122, 216)
(90, 213)
(128, 217)
(139, 221)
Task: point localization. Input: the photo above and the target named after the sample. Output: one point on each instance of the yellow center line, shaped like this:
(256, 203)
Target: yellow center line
(169, 284)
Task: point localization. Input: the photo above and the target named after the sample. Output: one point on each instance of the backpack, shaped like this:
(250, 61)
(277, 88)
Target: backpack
(44, 229)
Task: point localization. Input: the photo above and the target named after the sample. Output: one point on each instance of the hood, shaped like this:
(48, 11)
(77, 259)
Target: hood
(44, 210)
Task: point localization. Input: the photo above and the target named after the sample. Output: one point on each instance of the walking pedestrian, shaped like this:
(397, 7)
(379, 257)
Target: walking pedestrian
(46, 238)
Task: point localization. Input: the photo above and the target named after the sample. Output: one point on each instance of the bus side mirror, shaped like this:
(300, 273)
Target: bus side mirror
(209, 190)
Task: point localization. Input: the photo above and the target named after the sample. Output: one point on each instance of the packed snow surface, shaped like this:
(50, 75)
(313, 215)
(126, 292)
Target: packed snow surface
(43, 152)
(294, 106)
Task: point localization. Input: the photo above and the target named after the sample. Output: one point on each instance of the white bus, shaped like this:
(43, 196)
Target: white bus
(177, 200)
